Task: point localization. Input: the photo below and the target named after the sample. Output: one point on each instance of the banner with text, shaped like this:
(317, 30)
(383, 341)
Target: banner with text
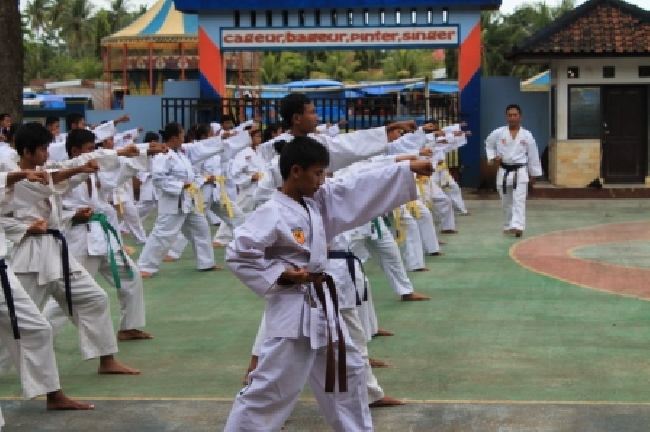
(315, 38)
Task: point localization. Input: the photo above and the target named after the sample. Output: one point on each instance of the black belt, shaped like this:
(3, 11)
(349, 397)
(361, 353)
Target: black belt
(511, 168)
(9, 298)
(350, 258)
(65, 263)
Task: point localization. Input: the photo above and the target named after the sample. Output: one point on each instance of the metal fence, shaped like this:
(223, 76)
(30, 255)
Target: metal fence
(357, 113)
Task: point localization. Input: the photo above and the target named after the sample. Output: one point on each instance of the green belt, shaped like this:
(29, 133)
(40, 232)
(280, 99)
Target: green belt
(108, 229)
(375, 224)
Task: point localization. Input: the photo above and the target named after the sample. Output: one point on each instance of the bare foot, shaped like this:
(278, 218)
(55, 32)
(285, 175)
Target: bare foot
(423, 269)
(108, 365)
(382, 332)
(467, 213)
(128, 250)
(386, 401)
(251, 367)
(374, 363)
(217, 244)
(510, 231)
(441, 243)
(213, 268)
(169, 259)
(449, 232)
(58, 401)
(146, 275)
(519, 233)
(133, 334)
(436, 253)
(414, 296)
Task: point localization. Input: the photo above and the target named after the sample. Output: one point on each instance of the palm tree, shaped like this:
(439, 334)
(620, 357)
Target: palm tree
(271, 70)
(37, 11)
(76, 27)
(57, 9)
(339, 65)
(119, 15)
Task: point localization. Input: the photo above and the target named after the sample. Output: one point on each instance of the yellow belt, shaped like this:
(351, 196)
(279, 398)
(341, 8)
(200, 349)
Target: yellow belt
(400, 235)
(420, 182)
(414, 209)
(197, 197)
(225, 199)
(120, 207)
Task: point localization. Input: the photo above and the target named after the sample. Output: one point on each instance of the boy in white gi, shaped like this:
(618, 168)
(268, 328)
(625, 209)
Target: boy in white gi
(515, 150)
(23, 329)
(280, 252)
(42, 263)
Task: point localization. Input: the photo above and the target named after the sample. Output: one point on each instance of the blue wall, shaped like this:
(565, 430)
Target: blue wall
(497, 93)
(145, 111)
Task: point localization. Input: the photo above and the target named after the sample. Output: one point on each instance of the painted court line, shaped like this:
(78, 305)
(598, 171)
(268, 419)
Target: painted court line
(551, 255)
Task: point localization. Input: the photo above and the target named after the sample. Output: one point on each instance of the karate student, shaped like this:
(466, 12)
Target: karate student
(515, 150)
(24, 331)
(147, 198)
(179, 201)
(246, 171)
(280, 253)
(42, 263)
(94, 240)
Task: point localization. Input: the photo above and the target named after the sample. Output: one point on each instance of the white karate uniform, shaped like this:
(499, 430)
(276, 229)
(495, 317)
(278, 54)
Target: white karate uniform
(33, 353)
(246, 163)
(411, 242)
(89, 244)
(283, 234)
(522, 149)
(177, 207)
(441, 147)
(37, 263)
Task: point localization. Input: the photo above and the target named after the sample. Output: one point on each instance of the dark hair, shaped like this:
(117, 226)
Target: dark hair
(388, 122)
(30, 136)
(77, 138)
(304, 152)
(269, 131)
(432, 120)
(151, 136)
(247, 128)
(71, 119)
(226, 117)
(12, 131)
(3, 115)
(279, 145)
(197, 132)
(171, 130)
(513, 106)
(50, 120)
(292, 104)
(255, 132)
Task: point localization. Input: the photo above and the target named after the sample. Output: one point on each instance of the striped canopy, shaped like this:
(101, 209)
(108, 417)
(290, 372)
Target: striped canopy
(161, 23)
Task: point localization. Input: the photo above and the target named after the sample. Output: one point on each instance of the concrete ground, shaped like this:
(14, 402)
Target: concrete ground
(509, 341)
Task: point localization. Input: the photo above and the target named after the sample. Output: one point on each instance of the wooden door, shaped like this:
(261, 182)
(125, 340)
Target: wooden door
(624, 134)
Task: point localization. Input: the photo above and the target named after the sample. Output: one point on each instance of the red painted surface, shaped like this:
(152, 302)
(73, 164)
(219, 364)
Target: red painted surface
(549, 254)
(211, 63)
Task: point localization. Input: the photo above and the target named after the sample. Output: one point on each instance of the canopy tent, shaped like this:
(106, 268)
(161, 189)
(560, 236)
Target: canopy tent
(436, 87)
(160, 45)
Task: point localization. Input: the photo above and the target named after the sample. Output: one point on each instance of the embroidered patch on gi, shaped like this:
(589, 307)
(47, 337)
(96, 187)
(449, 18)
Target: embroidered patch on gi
(298, 235)
(248, 157)
(523, 143)
(503, 141)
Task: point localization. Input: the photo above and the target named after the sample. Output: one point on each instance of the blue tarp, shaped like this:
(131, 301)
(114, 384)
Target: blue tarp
(313, 83)
(436, 87)
(545, 78)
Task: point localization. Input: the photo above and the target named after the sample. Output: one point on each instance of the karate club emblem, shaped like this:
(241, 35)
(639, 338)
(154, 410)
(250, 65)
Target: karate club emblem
(298, 235)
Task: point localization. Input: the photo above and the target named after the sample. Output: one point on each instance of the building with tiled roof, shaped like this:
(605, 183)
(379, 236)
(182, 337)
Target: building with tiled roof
(599, 58)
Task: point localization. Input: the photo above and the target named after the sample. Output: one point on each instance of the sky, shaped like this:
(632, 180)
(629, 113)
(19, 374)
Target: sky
(507, 5)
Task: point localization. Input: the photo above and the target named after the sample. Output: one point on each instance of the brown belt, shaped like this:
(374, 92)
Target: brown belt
(320, 282)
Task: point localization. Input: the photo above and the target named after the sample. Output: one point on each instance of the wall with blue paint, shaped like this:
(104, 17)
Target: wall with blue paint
(497, 93)
(145, 111)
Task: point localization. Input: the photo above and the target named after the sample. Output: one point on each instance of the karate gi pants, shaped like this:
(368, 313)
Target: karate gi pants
(368, 316)
(132, 223)
(90, 310)
(145, 208)
(513, 203)
(411, 246)
(224, 233)
(130, 295)
(443, 209)
(2, 420)
(454, 193)
(232, 222)
(358, 336)
(165, 231)
(33, 353)
(285, 366)
(427, 229)
(386, 253)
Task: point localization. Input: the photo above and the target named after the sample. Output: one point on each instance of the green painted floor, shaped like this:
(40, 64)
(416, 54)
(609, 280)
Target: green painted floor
(493, 331)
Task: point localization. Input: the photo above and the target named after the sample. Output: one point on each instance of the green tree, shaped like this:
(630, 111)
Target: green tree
(76, 27)
(271, 71)
(119, 15)
(338, 65)
(101, 22)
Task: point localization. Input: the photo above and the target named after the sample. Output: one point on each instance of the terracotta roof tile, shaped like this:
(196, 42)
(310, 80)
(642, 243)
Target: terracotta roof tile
(605, 27)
